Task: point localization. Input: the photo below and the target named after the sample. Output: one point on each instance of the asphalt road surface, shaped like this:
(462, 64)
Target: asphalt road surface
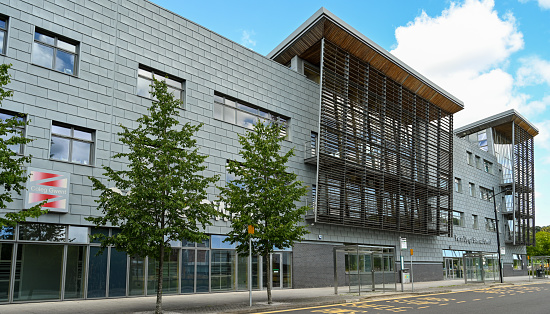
(527, 298)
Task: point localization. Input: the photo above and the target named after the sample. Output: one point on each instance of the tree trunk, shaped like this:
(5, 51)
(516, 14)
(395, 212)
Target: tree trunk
(269, 279)
(158, 309)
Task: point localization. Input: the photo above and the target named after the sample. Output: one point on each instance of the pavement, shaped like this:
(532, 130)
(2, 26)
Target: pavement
(238, 302)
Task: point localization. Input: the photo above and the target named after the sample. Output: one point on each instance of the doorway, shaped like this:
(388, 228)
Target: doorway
(454, 268)
(281, 271)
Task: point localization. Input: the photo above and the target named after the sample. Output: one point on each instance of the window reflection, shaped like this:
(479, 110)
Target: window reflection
(145, 80)
(70, 144)
(54, 53)
(42, 232)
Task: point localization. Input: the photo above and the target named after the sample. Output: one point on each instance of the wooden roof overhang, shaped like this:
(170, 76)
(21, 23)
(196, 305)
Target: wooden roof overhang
(501, 123)
(305, 43)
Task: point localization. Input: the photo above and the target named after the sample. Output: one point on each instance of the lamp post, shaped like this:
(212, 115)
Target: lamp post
(498, 232)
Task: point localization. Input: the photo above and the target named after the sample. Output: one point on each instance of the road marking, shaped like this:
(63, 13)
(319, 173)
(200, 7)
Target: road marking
(490, 297)
(424, 307)
(476, 299)
(460, 301)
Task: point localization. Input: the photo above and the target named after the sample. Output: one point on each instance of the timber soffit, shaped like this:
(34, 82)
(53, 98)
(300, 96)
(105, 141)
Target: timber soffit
(325, 24)
(499, 120)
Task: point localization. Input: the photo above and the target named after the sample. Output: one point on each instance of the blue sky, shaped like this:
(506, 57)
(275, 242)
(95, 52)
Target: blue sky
(493, 55)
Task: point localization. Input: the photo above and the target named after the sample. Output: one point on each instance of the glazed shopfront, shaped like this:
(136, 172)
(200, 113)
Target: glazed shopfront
(58, 262)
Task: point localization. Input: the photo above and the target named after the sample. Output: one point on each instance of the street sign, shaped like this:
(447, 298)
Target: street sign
(502, 250)
(250, 229)
(411, 252)
(403, 242)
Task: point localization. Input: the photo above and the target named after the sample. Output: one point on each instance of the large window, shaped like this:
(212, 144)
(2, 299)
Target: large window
(485, 194)
(458, 219)
(73, 144)
(458, 185)
(475, 219)
(54, 52)
(518, 261)
(5, 115)
(490, 224)
(145, 79)
(240, 113)
(3, 34)
(472, 189)
(470, 158)
(487, 166)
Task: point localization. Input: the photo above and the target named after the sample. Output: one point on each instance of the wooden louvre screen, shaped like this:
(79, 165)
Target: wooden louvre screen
(385, 153)
(524, 171)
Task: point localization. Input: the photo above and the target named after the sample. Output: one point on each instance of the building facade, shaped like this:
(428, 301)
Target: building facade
(374, 140)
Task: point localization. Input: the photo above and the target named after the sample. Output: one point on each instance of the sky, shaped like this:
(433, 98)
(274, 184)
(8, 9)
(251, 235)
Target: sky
(492, 55)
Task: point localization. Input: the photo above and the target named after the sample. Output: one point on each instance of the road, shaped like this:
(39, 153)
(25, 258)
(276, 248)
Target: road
(526, 298)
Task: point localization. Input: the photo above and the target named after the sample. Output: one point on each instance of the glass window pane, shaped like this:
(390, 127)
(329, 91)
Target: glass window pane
(56, 129)
(217, 242)
(223, 270)
(247, 108)
(229, 115)
(245, 119)
(175, 92)
(95, 230)
(264, 114)
(202, 270)
(6, 233)
(117, 274)
(74, 273)
(43, 38)
(482, 136)
(218, 111)
(204, 243)
(143, 87)
(145, 73)
(287, 269)
(97, 276)
(2, 35)
(42, 55)
(170, 274)
(16, 148)
(3, 24)
(6, 250)
(218, 99)
(173, 83)
(78, 234)
(188, 271)
(185, 243)
(59, 148)
(229, 102)
(38, 270)
(137, 276)
(87, 136)
(42, 232)
(81, 152)
(64, 62)
(66, 46)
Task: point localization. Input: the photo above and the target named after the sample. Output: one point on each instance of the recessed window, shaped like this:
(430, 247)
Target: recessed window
(470, 158)
(5, 115)
(475, 224)
(487, 166)
(145, 79)
(490, 225)
(478, 162)
(72, 144)
(54, 52)
(458, 185)
(484, 193)
(246, 115)
(3, 34)
(458, 219)
(472, 189)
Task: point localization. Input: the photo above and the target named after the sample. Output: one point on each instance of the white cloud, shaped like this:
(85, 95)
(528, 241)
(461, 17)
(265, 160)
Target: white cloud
(543, 4)
(533, 71)
(246, 39)
(465, 50)
(543, 139)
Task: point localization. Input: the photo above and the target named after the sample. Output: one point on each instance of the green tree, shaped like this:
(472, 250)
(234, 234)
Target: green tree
(165, 198)
(12, 172)
(542, 246)
(264, 195)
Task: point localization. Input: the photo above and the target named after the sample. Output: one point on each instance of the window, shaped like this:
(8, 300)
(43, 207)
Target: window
(246, 115)
(518, 261)
(313, 192)
(458, 185)
(470, 158)
(490, 225)
(472, 188)
(478, 162)
(54, 52)
(487, 166)
(475, 224)
(145, 79)
(458, 219)
(71, 144)
(3, 34)
(482, 140)
(5, 115)
(485, 194)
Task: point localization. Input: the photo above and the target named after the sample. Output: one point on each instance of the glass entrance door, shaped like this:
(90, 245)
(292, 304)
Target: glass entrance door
(281, 273)
(454, 268)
